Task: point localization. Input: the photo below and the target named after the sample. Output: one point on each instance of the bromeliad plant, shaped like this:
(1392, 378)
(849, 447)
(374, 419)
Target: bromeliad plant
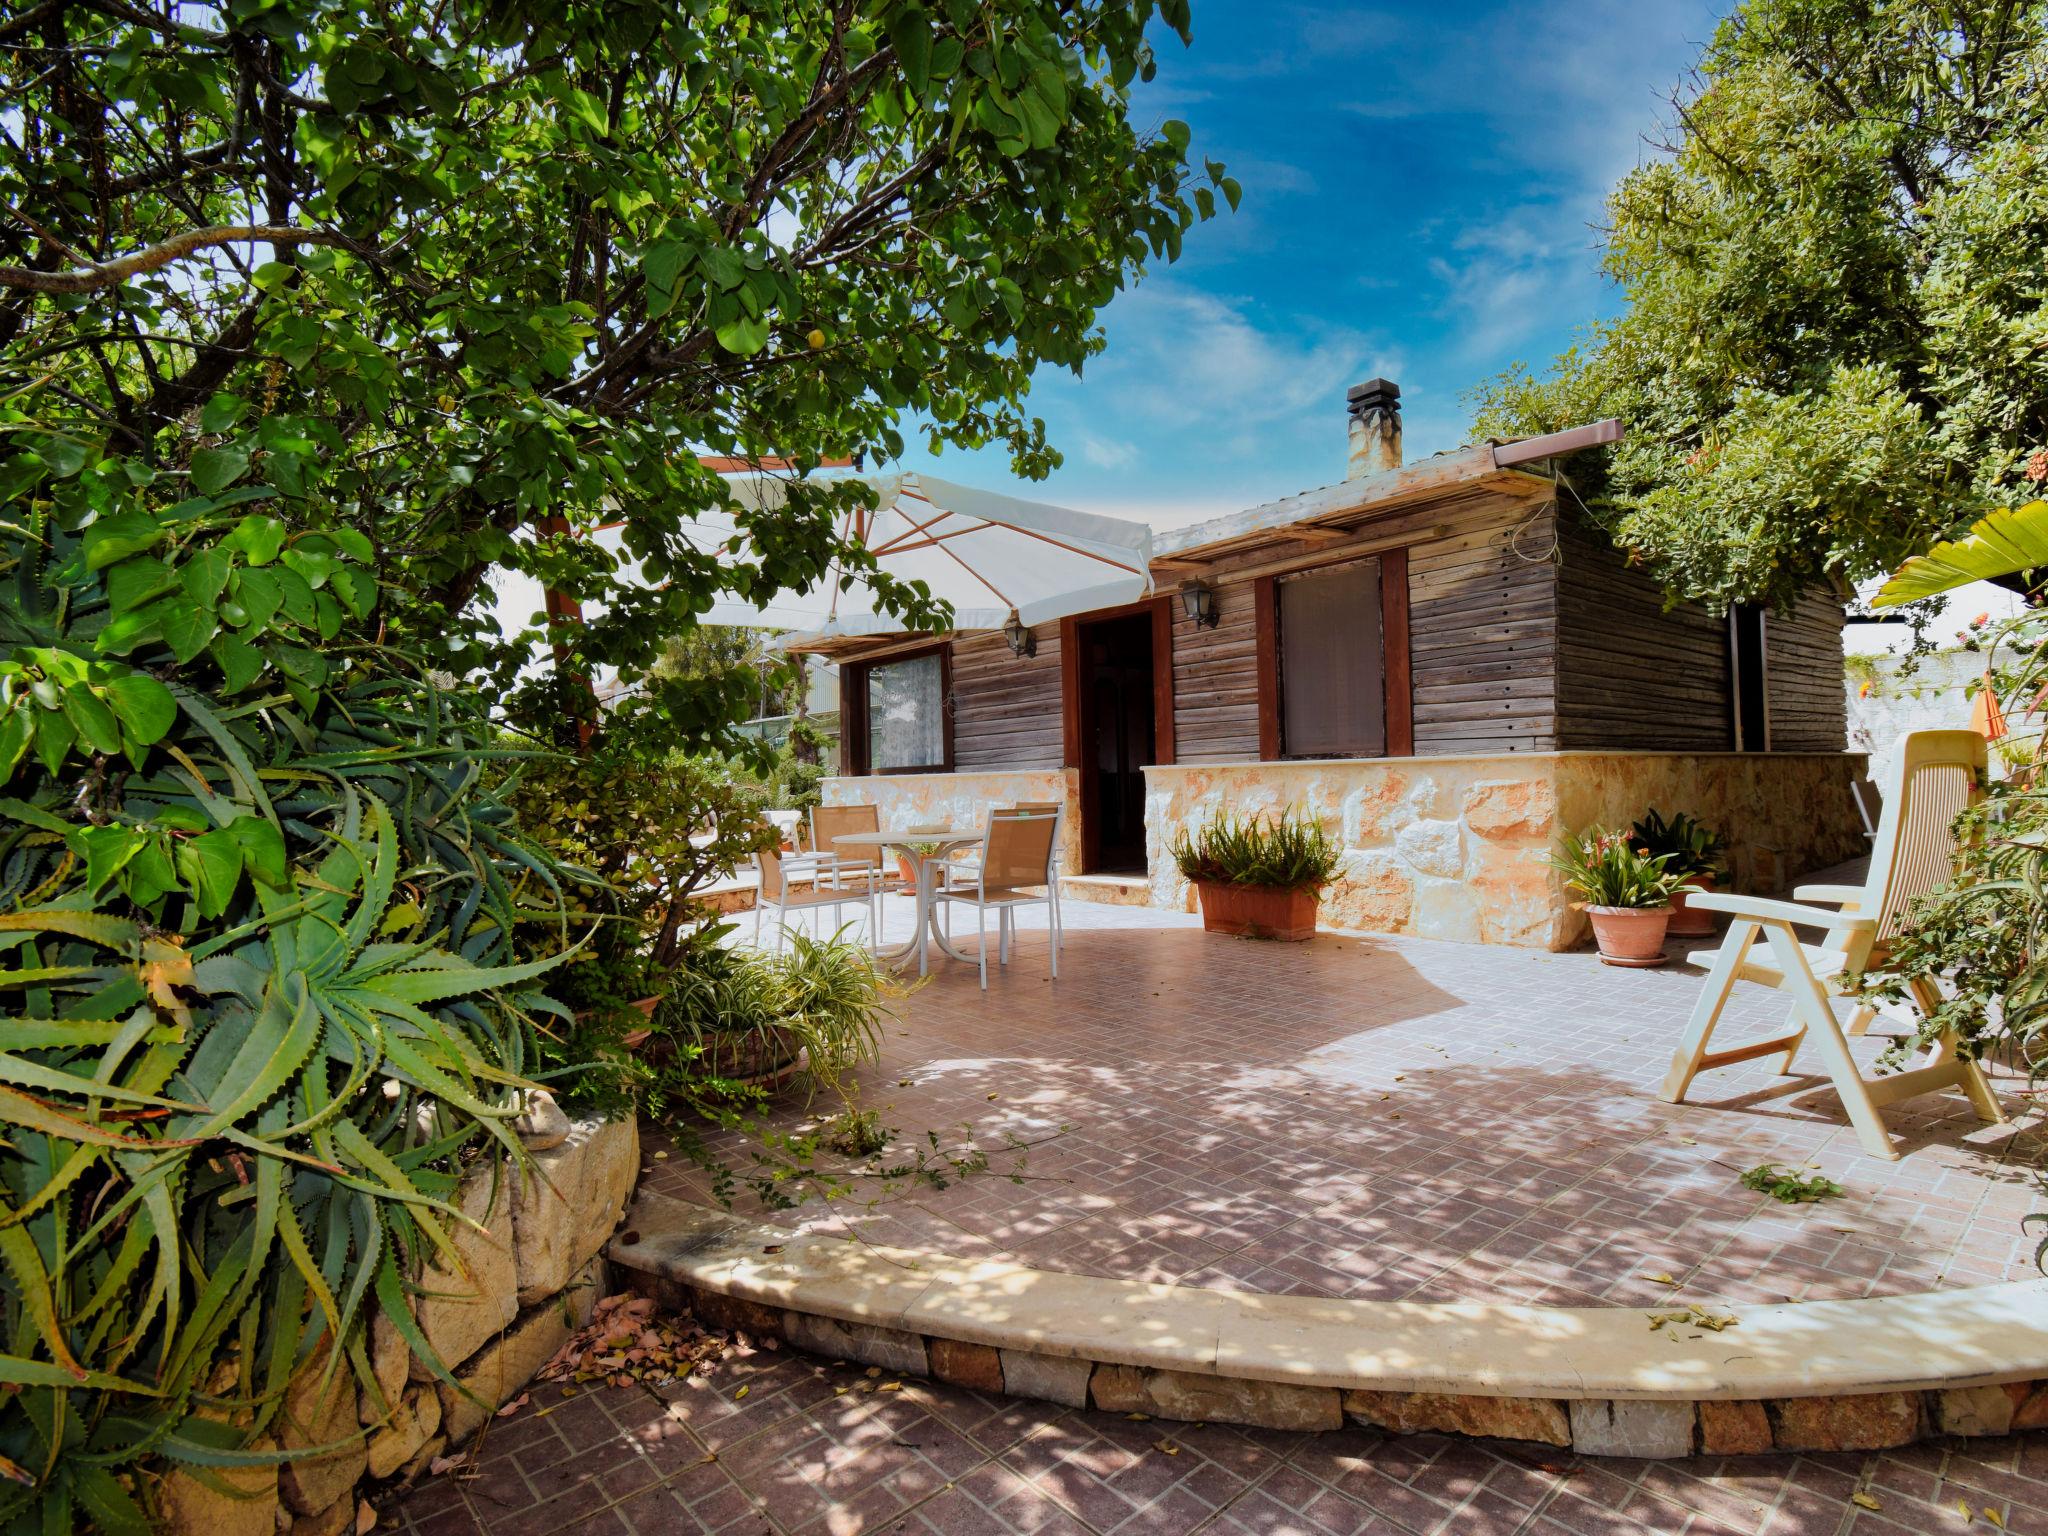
(1693, 848)
(1290, 852)
(1609, 869)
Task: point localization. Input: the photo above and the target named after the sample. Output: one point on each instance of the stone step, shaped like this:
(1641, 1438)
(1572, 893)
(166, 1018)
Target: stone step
(1107, 890)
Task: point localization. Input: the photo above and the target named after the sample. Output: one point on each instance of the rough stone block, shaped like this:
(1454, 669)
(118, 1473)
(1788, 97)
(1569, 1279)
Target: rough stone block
(1520, 903)
(1512, 808)
(1865, 1421)
(1433, 847)
(1610, 1427)
(336, 1518)
(735, 1314)
(1447, 909)
(1974, 1411)
(390, 1360)
(320, 1409)
(1232, 1400)
(2030, 1407)
(1372, 812)
(1540, 1419)
(411, 1427)
(500, 1371)
(1372, 893)
(566, 1204)
(467, 1305)
(977, 1366)
(1048, 1378)
(1734, 1429)
(188, 1507)
(890, 1348)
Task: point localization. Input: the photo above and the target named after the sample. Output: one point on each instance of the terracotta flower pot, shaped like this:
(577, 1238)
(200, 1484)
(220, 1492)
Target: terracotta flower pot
(1686, 922)
(1632, 936)
(1258, 911)
(638, 1037)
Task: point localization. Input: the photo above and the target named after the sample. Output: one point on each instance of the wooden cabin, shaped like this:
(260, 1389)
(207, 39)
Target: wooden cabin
(1445, 661)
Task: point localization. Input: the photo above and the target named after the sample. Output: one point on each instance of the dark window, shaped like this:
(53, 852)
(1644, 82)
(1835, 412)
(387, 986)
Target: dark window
(1332, 662)
(1749, 678)
(901, 723)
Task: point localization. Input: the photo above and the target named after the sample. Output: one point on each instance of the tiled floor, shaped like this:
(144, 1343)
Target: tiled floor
(774, 1443)
(1393, 1118)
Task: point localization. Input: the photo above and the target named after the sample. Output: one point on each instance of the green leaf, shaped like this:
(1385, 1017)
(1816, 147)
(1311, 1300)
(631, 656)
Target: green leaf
(96, 724)
(911, 33)
(187, 627)
(215, 469)
(263, 850)
(745, 335)
(239, 661)
(143, 705)
(2008, 542)
(259, 594)
(17, 731)
(117, 537)
(258, 537)
(106, 850)
(211, 866)
(206, 574)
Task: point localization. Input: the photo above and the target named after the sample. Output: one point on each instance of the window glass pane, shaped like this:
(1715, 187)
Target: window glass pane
(905, 727)
(1332, 697)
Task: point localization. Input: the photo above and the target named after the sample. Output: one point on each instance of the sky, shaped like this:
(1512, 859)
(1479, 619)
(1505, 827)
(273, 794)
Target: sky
(1422, 193)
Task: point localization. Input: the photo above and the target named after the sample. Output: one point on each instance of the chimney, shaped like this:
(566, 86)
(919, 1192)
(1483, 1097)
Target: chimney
(1375, 408)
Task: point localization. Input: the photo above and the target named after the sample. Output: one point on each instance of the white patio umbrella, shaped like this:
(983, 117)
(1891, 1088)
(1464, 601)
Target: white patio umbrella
(989, 555)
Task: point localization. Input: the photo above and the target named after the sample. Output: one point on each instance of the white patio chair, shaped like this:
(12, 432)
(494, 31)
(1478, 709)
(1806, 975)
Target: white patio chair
(1930, 779)
(779, 889)
(1019, 850)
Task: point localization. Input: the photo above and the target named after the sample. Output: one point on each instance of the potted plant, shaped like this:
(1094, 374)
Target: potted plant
(1261, 878)
(1625, 889)
(1695, 850)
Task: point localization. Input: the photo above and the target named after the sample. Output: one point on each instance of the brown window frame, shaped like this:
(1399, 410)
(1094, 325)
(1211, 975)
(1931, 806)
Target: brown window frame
(1396, 666)
(853, 709)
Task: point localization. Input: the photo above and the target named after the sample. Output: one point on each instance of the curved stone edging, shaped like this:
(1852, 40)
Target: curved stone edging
(1828, 1375)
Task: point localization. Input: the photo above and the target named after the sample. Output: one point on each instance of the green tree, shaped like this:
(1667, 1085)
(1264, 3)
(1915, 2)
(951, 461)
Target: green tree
(1834, 347)
(470, 277)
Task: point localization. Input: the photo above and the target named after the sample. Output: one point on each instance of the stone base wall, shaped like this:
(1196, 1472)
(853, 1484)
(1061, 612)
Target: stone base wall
(1636, 1428)
(963, 799)
(1455, 847)
(531, 1274)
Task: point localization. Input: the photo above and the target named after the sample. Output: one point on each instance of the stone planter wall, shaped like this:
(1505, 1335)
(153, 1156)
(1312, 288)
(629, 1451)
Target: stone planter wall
(963, 799)
(1454, 847)
(528, 1280)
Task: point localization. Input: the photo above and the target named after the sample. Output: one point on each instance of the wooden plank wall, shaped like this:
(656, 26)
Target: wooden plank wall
(1803, 652)
(1483, 628)
(1480, 627)
(1632, 677)
(1006, 709)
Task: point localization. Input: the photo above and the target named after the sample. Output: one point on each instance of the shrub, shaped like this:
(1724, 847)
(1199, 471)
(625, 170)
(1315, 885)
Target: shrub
(1694, 848)
(1607, 869)
(1290, 852)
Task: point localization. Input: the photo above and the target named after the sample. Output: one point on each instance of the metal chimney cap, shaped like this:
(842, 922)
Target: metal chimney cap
(1373, 394)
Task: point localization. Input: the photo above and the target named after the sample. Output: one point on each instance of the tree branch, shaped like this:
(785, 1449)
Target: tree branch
(111, 274)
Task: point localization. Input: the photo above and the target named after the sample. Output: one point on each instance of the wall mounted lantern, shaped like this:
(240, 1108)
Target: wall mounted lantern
(1198, 602)
(1018, 633)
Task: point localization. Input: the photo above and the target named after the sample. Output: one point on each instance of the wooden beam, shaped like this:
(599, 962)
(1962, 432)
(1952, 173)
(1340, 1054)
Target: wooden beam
(1162, 680)
(1347, 549)
(1396, 670)
(1266, 638)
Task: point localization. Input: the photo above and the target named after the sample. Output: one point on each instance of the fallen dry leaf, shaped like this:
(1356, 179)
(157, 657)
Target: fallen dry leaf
(1863, 1500)
(1167, 1446)
(740, 1394)
(1661, 1277)
(366, 1518)
(515, 1405)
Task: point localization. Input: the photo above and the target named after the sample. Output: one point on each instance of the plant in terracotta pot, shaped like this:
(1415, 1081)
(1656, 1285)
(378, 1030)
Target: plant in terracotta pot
(1625, 890)
(1695, 850)
(1259, 877)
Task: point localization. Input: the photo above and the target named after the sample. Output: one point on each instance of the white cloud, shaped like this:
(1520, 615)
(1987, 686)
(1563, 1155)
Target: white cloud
(1106, 453)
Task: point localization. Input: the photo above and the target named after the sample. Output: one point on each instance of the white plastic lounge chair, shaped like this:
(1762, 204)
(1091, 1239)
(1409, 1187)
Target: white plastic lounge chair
(1930, 779)
(1019, 850)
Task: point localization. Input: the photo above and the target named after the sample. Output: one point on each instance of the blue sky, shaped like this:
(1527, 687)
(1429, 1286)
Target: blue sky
(1421, 190)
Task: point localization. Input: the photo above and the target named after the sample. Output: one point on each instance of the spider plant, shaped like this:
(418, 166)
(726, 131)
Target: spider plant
(1291, 852)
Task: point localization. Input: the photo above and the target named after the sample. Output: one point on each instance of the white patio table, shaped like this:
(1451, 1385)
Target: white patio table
(926, 849)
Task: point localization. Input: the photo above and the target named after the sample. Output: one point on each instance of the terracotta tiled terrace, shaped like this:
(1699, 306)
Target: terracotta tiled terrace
(1384, 1118)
